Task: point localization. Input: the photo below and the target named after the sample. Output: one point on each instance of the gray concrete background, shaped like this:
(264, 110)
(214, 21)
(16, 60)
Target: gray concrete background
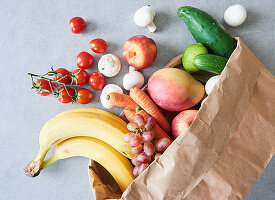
(34, 35)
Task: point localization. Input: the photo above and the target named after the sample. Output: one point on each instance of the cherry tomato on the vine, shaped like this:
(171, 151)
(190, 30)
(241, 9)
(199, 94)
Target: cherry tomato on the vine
(64, 77)
(98, 45)
(84, 96)
(97, 81)
(44, 87)
(81, 77)
(84, 60)
(77, 25)
(66, 95)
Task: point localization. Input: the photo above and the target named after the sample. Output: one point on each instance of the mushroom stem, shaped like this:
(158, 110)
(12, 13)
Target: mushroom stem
(152, 27)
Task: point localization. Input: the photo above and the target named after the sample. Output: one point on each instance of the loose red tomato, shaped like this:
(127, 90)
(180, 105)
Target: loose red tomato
(77, 25)
(66, 95)
(64, 76)
(97, 81)
(81, 77)
(84, 60)
(84, 96)
(98, 45)
(44, 87)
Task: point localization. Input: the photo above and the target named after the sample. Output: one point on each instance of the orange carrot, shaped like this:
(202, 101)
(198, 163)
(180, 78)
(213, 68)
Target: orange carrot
(130, 114)
(150, 107)
(121, 100)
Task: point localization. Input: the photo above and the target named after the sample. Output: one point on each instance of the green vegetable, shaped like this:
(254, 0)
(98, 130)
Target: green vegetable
(189, 54)
(207, 31)
(210, 63)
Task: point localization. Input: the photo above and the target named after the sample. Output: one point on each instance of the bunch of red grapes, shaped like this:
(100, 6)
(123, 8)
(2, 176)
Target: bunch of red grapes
(143, 142)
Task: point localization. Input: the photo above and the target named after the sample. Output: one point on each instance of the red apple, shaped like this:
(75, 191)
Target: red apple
(140, 51)
(182, 122)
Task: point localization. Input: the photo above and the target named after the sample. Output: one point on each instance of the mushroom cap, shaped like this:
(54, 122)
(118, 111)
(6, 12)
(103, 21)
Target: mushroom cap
(133, 79)
(109, 65)
(107, 90)
(235, 15)
(144, 16)
(211, 83)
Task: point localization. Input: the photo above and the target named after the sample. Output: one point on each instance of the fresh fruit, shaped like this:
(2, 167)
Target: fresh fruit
(80, 77)
(91, 110)
(207, 31)
(66, 95)
(139, 120)
(142, 167)
(136, 171)
(148, 148)
(210, 63)
(115, 163)
(127, 136)
(235, 15)
(44, 87)
(84, 60)
(110, 88)
(211, 83)
(148, 105)
(144, 17)
(140, 52)
(92, 123)
(132, 127)
(174, 89)
(135, 140)
(150, 123)
(84, 96)
(130, 114)
(182, 122)
(77, 25)
(137, 149)
(142, 142)
(109, 65)
(162, 144)
(98, 45)
(147, 136)
(97, 81)
(135, 162)
(63, 76)
(143, 158)
(188, 56)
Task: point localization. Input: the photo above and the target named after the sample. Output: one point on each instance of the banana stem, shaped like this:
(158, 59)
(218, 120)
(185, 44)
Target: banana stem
(34, 167)
(50, 161)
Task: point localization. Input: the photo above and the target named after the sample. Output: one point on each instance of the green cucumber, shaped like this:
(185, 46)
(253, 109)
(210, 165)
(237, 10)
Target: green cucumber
(210, 63)
(207, 31)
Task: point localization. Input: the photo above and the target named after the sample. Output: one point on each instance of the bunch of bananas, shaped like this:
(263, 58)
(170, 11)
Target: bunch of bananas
(87, 132)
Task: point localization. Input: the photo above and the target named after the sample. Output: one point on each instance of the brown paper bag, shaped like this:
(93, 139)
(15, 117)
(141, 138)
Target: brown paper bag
(228, 145)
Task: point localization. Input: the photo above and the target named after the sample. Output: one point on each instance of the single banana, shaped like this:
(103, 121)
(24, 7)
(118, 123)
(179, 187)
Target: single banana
(97, 124)
(89, 109)
(116, 164)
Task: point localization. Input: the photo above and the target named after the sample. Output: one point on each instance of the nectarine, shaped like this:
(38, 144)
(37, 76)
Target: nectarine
(140, 52)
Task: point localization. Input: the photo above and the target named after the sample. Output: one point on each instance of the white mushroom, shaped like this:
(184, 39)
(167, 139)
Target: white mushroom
(133, 79)
(235, 15)
(144, 17)
(211, 83)
(109, 65)
(107, 90)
